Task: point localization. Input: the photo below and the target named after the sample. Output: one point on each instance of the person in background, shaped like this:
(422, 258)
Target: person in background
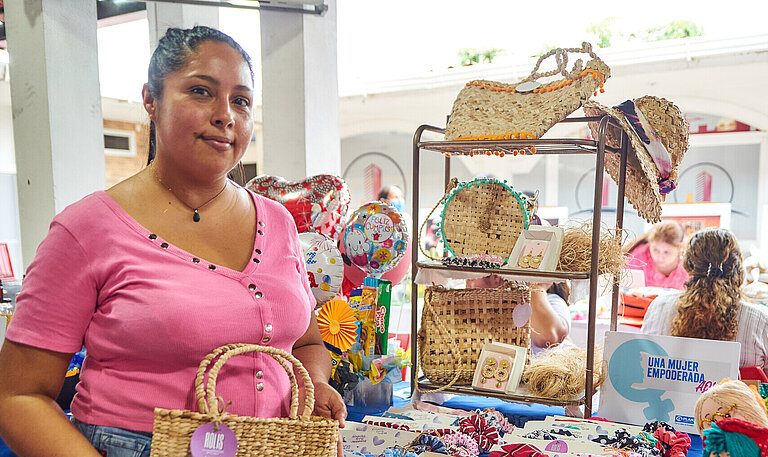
(393, 195)
(550, 318)
(159, 270)
(658, 253)
(711, 307)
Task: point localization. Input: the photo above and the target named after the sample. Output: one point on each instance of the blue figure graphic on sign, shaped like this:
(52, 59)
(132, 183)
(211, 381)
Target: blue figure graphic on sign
(626, 369)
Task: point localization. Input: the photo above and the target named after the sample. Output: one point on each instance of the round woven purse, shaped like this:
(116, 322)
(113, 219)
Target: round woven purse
(483, 217)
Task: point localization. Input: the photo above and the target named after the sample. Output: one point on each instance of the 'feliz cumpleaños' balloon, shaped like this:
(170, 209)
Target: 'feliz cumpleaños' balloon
(325, 268)
(376, 237)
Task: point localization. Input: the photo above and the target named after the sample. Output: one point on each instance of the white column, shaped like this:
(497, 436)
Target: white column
(551, 180)
(300, 93)
(57, 121)
(762, 194)
(161, 16)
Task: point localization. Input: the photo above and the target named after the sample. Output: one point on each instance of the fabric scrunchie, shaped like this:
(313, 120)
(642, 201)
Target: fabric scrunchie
(431, 443)
(461, 445)
(478, 428)
(498, 420)
(517, 450)
(715, 271)
(672, 444)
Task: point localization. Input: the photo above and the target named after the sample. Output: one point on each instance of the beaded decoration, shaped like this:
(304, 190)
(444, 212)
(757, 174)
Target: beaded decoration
(475, 261)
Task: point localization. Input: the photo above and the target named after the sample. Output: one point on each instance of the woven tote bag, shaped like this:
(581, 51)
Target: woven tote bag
(296, 435)
(456, 323)
(489, 110)
(483, 217)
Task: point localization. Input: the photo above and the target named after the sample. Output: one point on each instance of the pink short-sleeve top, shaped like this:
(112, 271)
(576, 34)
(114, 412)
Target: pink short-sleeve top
(148, 313)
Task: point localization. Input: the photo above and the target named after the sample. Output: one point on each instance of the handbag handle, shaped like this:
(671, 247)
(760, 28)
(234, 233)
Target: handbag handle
(445, 334)
(451, 185)
(561, 57)
(206, 394)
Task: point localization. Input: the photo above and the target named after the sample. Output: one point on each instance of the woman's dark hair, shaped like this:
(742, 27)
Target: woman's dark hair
(709, 306)
(562, 289)
(172, 53)
(384, 192)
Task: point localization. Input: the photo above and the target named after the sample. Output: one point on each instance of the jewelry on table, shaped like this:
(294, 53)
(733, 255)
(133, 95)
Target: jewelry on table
(524, 261)
(535, 261)
(489, 369)
(502, 374)
(196, 211)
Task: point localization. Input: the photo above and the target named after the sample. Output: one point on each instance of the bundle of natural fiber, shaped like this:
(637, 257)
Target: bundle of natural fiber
(560, 373)
(576, 253)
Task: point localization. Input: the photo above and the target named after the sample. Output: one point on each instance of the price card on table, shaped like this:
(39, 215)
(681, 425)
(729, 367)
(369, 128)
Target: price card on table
(653, 377)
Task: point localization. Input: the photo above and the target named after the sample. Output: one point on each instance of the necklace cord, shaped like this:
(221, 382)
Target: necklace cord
(196, 214)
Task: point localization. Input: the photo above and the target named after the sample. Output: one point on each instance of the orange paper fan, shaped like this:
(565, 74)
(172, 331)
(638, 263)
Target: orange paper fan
(337, 323)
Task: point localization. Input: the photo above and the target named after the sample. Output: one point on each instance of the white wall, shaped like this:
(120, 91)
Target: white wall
(7, 158)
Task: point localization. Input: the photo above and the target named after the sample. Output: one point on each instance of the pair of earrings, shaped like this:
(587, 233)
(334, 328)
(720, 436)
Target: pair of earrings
(491, 371)
(531, 261)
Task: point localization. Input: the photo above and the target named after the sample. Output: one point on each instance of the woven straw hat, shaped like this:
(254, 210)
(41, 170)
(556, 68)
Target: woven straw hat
(642, 179)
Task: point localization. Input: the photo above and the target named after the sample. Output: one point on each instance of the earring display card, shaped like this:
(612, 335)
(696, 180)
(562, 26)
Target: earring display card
(537, 248)
(499, 368)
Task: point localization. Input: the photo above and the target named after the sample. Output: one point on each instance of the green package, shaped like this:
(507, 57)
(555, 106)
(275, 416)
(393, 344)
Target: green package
(381, 318)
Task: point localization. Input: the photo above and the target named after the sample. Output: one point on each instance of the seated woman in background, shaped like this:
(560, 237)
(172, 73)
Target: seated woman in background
(658, 254)
(550, 318)
(711, 306)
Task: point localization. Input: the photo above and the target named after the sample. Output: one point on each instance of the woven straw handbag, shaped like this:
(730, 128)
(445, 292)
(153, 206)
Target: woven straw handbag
(456, 323)
(488, 110)
(303, 435)
(482, 217)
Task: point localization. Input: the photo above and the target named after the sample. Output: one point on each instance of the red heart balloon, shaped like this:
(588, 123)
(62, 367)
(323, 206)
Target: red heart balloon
(318, 203)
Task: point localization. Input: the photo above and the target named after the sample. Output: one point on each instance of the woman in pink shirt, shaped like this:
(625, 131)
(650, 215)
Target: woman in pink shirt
(158, 271)
(658, 253)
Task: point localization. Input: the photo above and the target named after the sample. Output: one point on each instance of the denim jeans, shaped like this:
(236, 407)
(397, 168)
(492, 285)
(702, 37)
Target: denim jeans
(116, 442)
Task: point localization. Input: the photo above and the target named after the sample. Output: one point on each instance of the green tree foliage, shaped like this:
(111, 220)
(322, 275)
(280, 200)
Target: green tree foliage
(673, 30)
(471, 56)
(602, 31)
(605, 32)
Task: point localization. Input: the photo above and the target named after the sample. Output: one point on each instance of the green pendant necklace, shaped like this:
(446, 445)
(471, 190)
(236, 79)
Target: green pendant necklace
(196, 211)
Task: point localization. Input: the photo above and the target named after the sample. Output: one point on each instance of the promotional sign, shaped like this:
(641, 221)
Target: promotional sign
(653, 377)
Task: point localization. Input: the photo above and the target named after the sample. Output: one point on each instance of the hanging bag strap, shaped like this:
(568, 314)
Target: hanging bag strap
(445, 335)
(454, 183)
(561, 57)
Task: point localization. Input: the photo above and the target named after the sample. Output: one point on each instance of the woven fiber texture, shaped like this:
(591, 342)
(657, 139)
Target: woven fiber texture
(303, 435)
(484, 216)
(495, 110)
(456, 323)
(642, 188)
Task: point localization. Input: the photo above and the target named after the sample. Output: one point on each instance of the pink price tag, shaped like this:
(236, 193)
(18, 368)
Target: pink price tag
(207, 442)
(557, 446)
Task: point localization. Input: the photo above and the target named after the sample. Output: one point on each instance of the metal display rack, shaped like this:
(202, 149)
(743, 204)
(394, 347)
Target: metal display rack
(597, 147)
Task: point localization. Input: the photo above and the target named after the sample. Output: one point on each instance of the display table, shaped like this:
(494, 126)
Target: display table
(517, 414)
